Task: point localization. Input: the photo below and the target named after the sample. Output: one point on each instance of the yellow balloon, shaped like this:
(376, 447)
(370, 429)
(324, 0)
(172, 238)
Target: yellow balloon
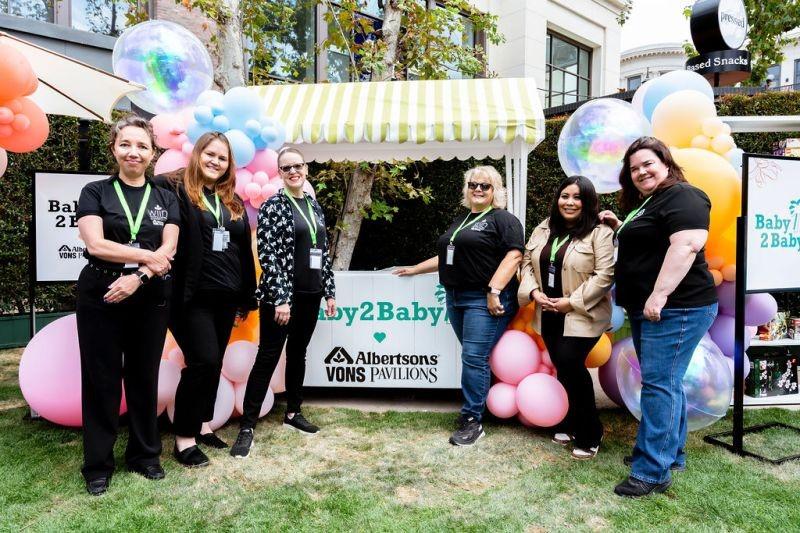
(717, 178)
(723, 143)
(701, 141)
(713, 126)
(600, 353)
(679, 117)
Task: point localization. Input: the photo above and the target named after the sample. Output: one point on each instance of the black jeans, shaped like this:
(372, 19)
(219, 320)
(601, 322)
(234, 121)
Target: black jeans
(569, 357)
(135, 327)
(202, 330)
(297, 334)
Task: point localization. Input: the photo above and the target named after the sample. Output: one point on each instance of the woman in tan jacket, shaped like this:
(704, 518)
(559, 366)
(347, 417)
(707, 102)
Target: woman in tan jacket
(567, 269)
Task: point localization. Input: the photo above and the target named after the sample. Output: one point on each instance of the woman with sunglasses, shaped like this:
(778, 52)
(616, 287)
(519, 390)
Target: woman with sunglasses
(296, 275)
(477, 261)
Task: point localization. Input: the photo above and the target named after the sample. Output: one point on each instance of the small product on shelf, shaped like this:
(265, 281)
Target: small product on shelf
(793, 329)
(772, 373)
(775, 329)
(787, 147)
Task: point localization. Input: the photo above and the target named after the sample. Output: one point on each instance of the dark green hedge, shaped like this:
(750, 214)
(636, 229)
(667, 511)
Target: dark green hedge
(407, 240)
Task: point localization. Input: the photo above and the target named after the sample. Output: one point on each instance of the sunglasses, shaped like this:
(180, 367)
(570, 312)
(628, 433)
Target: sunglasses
(292, 168)
(480, 186)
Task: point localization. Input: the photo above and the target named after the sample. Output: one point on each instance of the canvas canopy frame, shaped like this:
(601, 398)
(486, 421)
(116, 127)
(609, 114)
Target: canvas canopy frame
(415, 120)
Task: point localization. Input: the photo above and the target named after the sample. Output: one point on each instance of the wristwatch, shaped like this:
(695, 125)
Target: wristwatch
(492, 290)
(144, 278)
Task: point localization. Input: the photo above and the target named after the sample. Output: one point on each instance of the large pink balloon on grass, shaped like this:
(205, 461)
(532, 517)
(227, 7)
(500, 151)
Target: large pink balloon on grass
(169, 375)
(542, 400)
(502, 400)
(238, 360)
(239, 390)
(223, 407)
(514, 357)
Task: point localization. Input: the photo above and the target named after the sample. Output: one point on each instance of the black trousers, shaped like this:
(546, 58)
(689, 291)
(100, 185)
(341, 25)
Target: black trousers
(569, 357)
(119, 342)
(202, 330)
(297, 334)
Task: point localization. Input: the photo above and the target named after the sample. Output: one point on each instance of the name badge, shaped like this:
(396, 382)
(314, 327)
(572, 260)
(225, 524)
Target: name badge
(315, 256)
(551, 276)
(451, 251)
(616, 248)
(133, 265)
(220, 237)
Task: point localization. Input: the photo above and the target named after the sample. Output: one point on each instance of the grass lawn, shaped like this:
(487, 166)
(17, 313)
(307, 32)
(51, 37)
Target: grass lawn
(387, 472)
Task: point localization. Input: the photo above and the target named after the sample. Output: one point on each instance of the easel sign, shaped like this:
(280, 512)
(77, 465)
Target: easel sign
(767, 260)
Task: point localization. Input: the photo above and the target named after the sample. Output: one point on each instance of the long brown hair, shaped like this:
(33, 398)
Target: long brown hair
(224, 186)
(629, 197)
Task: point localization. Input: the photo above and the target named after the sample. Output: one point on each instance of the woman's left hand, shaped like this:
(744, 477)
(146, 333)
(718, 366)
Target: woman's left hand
(653, 306)
(122, 287)
(561, 305)
(330, 307)
(494, 305)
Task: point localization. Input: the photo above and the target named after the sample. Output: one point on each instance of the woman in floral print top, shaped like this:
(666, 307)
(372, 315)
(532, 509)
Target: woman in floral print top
(296, 275)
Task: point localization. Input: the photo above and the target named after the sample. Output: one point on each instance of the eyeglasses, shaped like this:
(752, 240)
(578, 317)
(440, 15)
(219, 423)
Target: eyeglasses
(292, 168)
(481, 186)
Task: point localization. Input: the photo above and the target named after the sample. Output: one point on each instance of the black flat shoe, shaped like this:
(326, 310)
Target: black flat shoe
(191, 457)
(635, 488)
(210, 439)
(98, 486)
(154, 472)
(628, 460)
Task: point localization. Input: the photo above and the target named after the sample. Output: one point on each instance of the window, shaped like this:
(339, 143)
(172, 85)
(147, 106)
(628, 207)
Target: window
(634, 82)
(292, 45)
(29, 9)
(567, 72)
(797, 72)
(773, 78)
(99, 16)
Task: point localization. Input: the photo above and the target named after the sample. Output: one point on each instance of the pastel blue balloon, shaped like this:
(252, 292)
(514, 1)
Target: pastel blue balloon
(209, 98)
(243, 148)
(203, 114)
(259, 143)
(221, 123)
(269, 134)
(252, 128)
(617, 318)
(218, 108)
(195, 130)
(671, 82)
(242, 105)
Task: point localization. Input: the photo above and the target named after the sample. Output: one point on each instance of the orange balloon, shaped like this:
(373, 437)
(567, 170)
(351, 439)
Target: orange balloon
(722, 248)
(539, 341)
(529, 329)
(518, 324)
(17, 74)
(600, 353)
(715, 176)
(679, 117)
(729, 272)
(34, 135)
(717, 277)
(247, 330)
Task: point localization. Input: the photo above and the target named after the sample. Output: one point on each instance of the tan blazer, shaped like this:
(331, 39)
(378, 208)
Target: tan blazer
(587, 274)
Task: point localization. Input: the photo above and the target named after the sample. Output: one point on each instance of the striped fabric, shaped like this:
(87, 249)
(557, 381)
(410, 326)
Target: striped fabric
(408, 111)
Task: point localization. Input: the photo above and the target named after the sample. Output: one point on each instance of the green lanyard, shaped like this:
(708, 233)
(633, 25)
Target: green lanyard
(216, 212)
(632, 214)
(134, 225)
(556, 246)
(312, 224)
(483, 213)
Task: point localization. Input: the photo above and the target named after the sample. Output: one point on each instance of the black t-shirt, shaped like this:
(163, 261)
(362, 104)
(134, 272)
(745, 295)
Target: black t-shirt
(100, 198)
(643, 244)
(479, 249)
(221, 271)
(306, 279)
(553, 323)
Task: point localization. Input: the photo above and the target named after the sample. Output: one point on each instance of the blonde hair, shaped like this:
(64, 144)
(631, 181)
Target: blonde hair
(289, 150)
(499, 198)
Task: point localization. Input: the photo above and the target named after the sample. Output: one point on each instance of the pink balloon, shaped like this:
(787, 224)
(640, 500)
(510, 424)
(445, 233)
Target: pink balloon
(169, 374)
(261, 178)
(252, 190)
(278, 381)
(123, 403)
(546, 358)
(525, 422)
(176, 356)
(264, 161)
(187, 148)
(307, 187)
(542, 400)
(268, 191)
(169, 129)
(3, 162)
(238, 360)
(172, 159)
(243, 177)
(50, 373)
(277, 182)
(514, 357)
(256, 201)
(269, 400)
(252, 216)
(502, 400)
(223, 408)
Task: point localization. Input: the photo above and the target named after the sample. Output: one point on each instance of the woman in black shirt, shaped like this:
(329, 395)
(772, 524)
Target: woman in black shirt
(130, 229)
(664, 284)
(296, 275)
(477, 261)
(214, 279)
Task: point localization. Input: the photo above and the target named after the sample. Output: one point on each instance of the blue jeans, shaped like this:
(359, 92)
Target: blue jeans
(665, 349)
(477, 331)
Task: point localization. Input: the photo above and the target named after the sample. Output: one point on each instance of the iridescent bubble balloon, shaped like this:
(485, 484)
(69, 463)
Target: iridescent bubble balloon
(595, 137)
(168, 60)
(708, 384)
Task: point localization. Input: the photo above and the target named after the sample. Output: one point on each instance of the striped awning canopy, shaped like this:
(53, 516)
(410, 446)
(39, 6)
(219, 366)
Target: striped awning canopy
(402, 120)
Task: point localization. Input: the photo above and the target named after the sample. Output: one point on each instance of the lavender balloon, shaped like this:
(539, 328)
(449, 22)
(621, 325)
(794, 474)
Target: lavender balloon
(607, 373)
(595, 137)
(759, 308)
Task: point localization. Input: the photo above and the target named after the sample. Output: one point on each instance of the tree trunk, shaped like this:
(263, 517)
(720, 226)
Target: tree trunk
(358, 195)
(230, 51)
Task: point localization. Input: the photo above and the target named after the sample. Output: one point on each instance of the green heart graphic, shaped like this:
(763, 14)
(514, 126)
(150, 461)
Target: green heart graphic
(379, 336)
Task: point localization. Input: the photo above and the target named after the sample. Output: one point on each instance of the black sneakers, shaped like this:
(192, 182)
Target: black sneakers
(97, 486)
(210, 439)
(191, 457)
(468, 432)
(299, 423)
(243, 444)
(636, 488)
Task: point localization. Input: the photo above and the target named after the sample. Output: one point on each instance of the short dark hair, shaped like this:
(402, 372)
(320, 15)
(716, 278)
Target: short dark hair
(629, 196)
(589, 208)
